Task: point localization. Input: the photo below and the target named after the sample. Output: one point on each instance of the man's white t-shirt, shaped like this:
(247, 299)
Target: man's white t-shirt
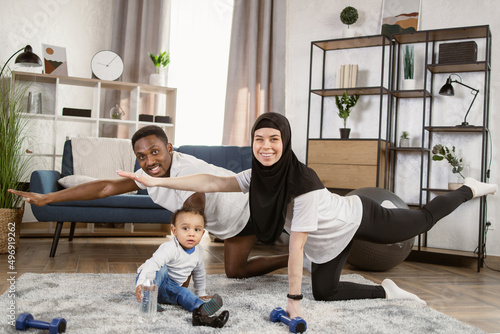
(227, 213)
(331, 220)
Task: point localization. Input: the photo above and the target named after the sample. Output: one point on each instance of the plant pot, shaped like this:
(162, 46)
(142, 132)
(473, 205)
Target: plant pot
(157, 79)
(456, 176)
(10, 228)
(404, 142)
(409, 84)
(344, 133)
(348, 32)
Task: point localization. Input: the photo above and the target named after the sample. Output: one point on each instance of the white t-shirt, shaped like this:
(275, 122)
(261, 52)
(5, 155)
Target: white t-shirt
(180, 265)
(227, 213)
(331, 220)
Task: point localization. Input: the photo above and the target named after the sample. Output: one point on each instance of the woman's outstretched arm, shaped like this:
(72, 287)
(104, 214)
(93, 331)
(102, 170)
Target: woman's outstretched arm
(202, 183)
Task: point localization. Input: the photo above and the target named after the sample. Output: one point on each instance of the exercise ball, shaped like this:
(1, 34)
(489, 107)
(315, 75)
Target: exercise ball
(371, 256)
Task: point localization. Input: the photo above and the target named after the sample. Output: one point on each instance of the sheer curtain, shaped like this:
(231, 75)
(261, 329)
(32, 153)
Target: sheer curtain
(256, 80)
(139, 27)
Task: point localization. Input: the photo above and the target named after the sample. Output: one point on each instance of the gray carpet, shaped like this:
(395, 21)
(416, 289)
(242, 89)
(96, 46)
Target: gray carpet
(105, 303)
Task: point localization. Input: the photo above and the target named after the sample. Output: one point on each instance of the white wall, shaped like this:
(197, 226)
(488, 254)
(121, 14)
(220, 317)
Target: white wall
(83, 27)
(319, 19)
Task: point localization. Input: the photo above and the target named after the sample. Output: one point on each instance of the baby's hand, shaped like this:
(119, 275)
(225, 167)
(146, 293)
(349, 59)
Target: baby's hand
(138, 293)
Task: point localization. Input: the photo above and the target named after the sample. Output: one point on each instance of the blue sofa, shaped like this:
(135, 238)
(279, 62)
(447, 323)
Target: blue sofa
(138, 208)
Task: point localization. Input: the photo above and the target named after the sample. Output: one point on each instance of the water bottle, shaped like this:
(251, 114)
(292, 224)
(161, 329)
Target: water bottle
(149, 296)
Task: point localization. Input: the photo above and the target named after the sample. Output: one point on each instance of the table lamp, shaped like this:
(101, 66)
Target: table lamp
(27, 58)
(447, 90)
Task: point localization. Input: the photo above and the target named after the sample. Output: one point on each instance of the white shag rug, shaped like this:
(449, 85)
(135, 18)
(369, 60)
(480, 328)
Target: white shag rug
(105, 303)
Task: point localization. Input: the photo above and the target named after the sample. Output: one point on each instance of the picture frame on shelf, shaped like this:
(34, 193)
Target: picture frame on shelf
(400, 16)
(54, 60)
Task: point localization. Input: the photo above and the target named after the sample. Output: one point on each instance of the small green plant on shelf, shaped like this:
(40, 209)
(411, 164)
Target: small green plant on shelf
(349, 15)
(160, 61)
(409, 62)
(345, 103)
(441, 152)
(404, 139)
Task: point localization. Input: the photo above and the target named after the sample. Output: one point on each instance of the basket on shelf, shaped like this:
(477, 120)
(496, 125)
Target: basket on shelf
(10, 228)
(461, 52)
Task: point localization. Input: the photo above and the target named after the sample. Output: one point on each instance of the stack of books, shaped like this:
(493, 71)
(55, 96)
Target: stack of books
(347, 76)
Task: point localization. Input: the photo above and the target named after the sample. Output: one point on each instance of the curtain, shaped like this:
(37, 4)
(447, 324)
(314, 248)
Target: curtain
(139, 27)
(256, 76)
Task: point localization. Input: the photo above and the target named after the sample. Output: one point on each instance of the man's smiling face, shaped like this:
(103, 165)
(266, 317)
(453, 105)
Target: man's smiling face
(153, 156)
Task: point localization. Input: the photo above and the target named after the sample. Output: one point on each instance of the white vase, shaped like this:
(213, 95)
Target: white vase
(409, 84)
(348, 32)
(157, 79)
(404, 142)
(456, 179)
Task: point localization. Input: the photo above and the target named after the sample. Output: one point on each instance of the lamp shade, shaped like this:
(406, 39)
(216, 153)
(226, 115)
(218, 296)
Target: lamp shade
(28, 58)
(447, 88)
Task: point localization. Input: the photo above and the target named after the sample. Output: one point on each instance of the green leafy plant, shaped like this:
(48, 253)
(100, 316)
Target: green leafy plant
(14, 121)
(349, 15)
(441, 152)
(409, 62)
(345, 103)
(405, 135)
(160, 61)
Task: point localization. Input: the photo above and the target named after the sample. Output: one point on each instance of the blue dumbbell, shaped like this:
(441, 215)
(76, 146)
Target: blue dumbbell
(25, 321)
(296, 325)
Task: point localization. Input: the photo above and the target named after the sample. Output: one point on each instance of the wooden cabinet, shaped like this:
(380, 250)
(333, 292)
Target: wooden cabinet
(347, 164)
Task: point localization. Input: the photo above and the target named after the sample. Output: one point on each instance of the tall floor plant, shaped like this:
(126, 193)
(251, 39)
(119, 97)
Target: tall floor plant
(14, 162)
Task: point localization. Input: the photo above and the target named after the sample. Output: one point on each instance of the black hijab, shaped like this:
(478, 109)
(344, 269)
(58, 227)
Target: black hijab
(273, 187)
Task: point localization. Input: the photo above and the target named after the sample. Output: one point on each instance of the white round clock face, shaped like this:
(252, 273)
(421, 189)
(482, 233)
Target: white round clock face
(107, 65)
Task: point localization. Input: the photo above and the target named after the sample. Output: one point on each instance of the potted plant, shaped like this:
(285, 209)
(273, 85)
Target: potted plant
(408, 68)
(345, 103)
(160, 62)
(349, 15)
(404, 139)
(456, 173)
(14, 162)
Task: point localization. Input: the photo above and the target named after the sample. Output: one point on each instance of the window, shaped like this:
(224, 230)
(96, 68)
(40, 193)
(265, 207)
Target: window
(199, 52)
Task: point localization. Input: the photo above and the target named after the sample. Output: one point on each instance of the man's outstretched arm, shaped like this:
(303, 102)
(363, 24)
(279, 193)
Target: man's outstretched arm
(83, 192)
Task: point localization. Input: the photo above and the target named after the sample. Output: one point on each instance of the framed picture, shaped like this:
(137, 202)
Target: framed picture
(400, 16)
(54, 60)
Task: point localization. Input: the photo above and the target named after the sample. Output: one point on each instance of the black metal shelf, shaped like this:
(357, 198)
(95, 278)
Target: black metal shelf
(351, 91)
(457, 128)
(408, 149)
(430, 40)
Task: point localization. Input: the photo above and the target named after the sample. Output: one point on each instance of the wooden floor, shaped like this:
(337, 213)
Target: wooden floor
(460, 292)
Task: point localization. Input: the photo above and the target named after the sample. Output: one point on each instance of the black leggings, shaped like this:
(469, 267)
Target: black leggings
(384, 226)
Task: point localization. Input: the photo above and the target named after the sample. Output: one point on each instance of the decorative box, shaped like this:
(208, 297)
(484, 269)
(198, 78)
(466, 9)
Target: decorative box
(461, 52)
(76, 112)
(146, 118)
(163, 119)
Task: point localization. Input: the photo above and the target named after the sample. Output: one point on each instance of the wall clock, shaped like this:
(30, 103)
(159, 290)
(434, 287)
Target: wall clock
(107, 65)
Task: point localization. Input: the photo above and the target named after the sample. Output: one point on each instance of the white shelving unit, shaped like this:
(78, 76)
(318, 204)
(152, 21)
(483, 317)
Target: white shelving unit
(49, 129)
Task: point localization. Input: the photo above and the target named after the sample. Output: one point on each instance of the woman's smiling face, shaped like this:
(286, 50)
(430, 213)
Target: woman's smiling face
(267, 146)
